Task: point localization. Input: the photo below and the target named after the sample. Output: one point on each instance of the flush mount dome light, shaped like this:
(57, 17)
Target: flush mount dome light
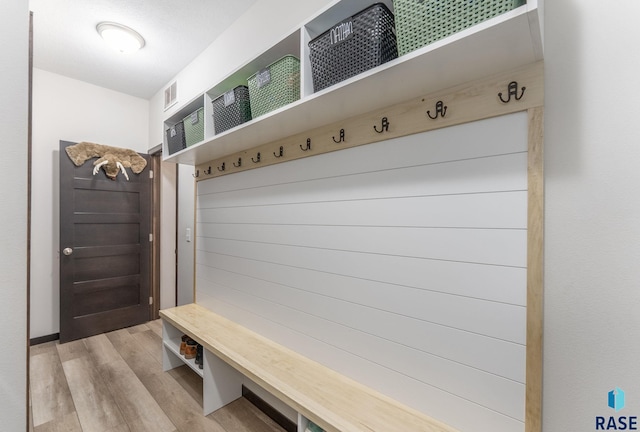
(122, 38)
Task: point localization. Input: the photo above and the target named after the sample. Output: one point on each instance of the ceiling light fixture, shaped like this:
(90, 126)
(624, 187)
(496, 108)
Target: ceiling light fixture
(122, 38)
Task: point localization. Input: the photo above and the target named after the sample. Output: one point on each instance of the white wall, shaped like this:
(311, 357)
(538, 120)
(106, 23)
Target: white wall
(71, 110)
(592, 231)
(14, 33)
(168, 222)
(185, 245)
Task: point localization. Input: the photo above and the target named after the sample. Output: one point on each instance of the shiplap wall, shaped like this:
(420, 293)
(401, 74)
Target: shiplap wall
(401, 264)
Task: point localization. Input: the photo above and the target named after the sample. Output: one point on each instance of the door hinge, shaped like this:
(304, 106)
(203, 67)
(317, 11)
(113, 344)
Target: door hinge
(150, 174)
(150, 237)
(150, 301)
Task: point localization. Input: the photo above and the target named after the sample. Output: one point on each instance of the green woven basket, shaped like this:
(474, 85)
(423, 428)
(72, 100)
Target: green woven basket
(194, 127)
(275, 86)
(421, 22)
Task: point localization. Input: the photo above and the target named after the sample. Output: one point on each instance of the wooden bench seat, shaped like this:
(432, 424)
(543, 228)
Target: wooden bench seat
(329, 399)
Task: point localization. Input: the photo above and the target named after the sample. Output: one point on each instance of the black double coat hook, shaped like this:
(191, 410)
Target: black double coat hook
(513, 91)
(441, 110)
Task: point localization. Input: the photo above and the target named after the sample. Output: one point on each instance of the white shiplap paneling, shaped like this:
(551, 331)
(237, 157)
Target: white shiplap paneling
(488, 210)
(400, 263)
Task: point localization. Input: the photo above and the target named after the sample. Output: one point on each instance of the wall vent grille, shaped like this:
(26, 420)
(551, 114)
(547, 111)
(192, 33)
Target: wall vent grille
(171, 95)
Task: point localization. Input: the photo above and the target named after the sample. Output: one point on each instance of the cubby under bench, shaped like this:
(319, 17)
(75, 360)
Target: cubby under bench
(331, 400)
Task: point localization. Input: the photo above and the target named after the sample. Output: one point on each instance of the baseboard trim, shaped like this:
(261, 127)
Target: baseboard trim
(44, 339)
(270, 411)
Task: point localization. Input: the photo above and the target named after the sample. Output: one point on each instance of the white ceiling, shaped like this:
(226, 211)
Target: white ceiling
(175, 31)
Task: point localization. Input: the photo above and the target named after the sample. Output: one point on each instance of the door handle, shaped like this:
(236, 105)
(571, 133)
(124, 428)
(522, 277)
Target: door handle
(67, 251)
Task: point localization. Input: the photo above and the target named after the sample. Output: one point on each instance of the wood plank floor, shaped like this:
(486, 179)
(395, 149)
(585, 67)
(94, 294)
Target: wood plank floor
(114, 383)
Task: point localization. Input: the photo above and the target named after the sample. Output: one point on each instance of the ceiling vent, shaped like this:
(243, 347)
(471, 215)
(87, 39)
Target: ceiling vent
(171, 95)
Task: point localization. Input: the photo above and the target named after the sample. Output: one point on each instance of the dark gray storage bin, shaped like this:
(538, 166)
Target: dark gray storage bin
(231, 109)
(352, 46)
(176, 138)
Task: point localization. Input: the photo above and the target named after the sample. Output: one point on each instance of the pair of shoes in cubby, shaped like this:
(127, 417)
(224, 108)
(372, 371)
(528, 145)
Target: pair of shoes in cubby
(183, 343)
(191, 349)
(188, 347)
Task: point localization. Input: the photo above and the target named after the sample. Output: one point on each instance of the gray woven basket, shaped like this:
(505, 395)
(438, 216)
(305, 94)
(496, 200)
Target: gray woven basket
(232, 112)
(353, 46)
(175, 138)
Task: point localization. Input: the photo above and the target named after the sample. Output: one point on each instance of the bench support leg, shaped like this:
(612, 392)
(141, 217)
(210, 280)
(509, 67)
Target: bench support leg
(222, 384)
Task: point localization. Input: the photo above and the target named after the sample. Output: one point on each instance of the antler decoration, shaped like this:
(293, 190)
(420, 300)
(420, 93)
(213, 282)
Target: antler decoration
(96, 168)
(112, 160)
(119, 165)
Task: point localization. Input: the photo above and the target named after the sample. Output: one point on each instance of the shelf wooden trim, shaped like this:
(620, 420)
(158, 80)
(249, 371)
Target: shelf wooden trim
(464, 103)
(329, 399)
(535, 271)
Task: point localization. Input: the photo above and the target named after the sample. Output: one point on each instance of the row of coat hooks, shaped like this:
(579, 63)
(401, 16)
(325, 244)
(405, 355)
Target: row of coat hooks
(258, 157)
(341, 137)
(440, 111)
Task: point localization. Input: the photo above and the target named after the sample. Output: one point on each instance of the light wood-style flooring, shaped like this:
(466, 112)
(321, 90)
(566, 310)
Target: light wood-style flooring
(114, 383)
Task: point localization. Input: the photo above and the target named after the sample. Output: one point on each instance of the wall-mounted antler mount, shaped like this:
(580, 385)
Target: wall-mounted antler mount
(111, 159)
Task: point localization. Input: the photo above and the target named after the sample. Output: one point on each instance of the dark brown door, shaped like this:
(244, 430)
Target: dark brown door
(105, 228)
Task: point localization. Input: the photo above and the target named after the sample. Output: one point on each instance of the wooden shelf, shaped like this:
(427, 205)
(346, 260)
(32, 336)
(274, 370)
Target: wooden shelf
(171, 338)
(175, 349)
(505, 42)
